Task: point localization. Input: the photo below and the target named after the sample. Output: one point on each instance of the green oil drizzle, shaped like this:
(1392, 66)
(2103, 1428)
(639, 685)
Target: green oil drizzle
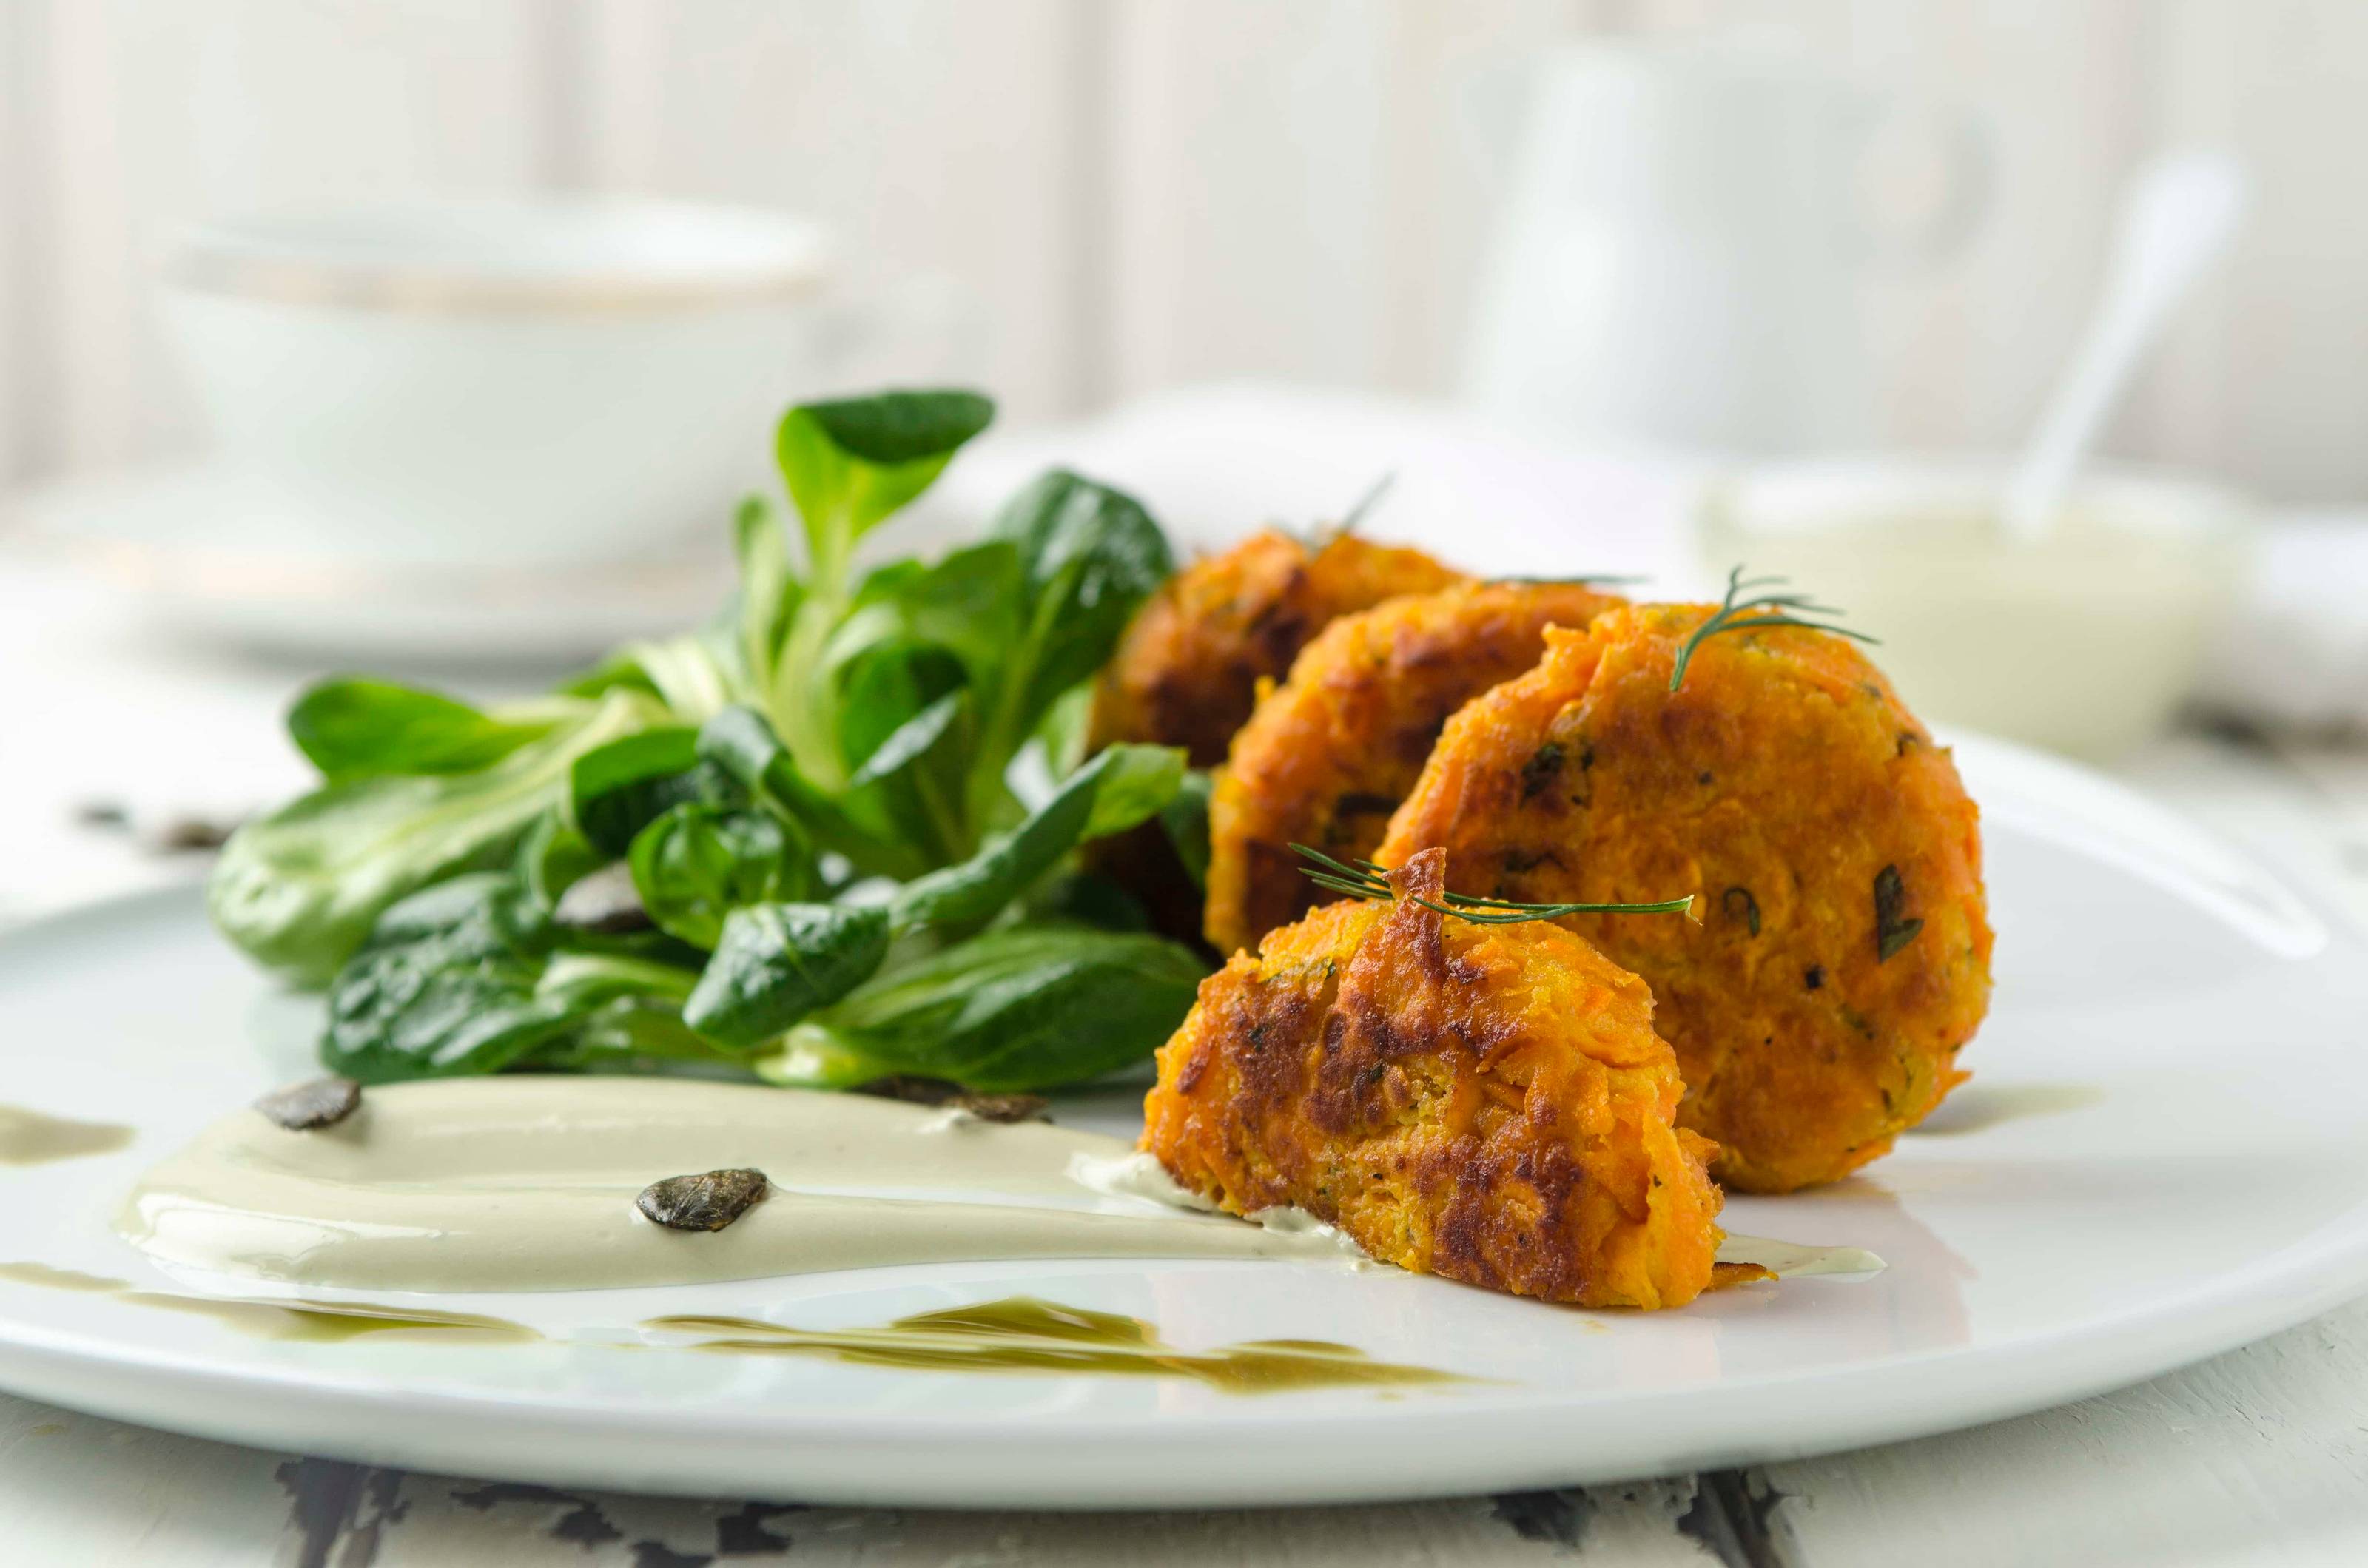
(1018, 1334)
(316, 1321)
(1022, 1334)
(32, 1138)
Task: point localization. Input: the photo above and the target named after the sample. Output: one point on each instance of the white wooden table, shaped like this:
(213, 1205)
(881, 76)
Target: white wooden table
(2259, 1456)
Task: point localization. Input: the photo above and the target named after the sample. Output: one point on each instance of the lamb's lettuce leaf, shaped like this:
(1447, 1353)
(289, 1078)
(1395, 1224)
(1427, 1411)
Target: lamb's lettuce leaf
(299, 889)
(352, 728)
(1026, 1007)
(811, 801)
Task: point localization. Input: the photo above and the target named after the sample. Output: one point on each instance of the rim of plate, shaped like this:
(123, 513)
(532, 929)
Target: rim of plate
(1718, 1422)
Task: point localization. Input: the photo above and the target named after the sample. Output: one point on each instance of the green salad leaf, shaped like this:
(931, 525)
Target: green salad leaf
(741, 743)
(616, 790)
(1185, 820)
(851, 463)
(445, 985)
(1089, 557)
(553, 856)
(471, 976)
(352, 728)
(790, 824)
(691, 678)
(770, 591)
(699, 862)
(848, 466)
(625, 1012)
(1028, 1007)
(300, 888)
(777, 962)
(1117, 789)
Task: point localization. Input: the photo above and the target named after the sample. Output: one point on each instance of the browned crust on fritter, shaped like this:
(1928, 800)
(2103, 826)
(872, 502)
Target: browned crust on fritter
(1816, 1014)
(1489, 1104)
(1189, 670)
(1329, 755)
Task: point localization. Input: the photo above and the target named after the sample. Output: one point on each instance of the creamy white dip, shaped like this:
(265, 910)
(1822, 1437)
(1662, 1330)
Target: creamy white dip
(528, 1184)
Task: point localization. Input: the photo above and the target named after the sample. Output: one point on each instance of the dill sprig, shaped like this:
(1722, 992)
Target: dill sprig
(1736, 615)
(1320, 535)
(1366, 503)
(1363, 878)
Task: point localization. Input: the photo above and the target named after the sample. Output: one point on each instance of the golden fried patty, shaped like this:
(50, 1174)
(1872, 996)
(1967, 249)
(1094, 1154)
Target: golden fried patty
(1329, 755)
(1842, 956)
(1189, 669)
(1486, 1103)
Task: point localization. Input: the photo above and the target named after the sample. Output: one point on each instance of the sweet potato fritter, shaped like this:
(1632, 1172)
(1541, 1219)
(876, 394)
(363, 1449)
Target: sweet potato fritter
(1843, 953)
(1486, 1103)
(1329, 755)
(1189, 670)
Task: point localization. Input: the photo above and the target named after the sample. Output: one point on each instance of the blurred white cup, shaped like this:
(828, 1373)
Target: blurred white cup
(507, 382)
(1680, 252)
(2084, 641)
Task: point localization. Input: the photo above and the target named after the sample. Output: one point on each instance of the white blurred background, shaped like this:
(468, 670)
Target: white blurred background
(1136, 194)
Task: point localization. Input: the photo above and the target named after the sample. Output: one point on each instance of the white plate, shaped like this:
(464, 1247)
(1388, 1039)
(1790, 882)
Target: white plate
(2160, 1157)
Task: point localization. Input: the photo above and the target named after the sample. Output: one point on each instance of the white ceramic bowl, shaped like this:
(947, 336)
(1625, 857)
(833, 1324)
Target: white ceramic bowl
(2083, 642)
(507, 381)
